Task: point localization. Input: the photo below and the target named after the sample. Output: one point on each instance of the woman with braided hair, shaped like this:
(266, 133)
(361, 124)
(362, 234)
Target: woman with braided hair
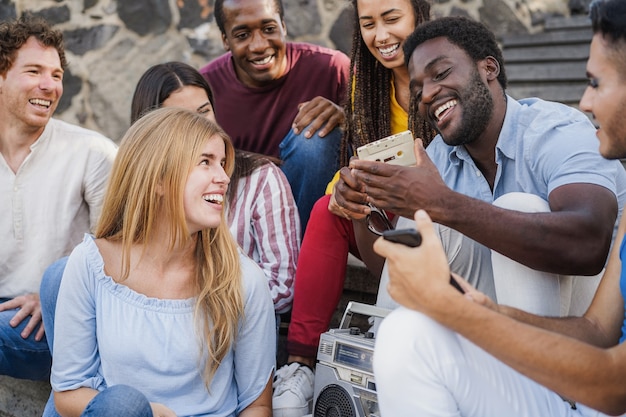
(378, 106)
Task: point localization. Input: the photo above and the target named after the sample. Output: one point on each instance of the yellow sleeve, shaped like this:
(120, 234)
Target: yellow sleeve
(331, 184)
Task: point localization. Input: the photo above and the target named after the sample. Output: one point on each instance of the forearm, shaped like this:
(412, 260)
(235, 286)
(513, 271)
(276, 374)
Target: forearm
(577, 370)
(580, 328)
(73, 403)
(262, 406)
(564, 242)
(256, 411)
(365, 241)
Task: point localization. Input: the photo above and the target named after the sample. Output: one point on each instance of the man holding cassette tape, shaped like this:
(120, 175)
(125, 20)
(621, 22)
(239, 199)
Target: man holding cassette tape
(467, 356)
(522, 199)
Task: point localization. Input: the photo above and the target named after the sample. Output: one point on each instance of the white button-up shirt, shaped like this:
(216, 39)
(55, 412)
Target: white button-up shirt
(50, 203)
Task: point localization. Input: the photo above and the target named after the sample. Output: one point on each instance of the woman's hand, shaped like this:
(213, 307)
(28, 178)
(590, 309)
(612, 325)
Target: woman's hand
(337, 210)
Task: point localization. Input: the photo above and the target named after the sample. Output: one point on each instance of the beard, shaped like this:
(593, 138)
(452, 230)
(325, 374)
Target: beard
(477, 105)
(613, 134)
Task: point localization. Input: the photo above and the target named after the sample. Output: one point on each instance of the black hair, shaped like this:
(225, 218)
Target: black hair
(160, 81)
(220, 18)
(471, 36)
(608, 17)
(368, 110)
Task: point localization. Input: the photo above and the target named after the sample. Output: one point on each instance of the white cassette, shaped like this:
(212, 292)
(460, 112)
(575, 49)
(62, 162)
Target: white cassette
(395, 149)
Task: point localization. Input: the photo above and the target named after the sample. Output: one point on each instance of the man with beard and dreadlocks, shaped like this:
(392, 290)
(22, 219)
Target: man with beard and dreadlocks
(523, 201)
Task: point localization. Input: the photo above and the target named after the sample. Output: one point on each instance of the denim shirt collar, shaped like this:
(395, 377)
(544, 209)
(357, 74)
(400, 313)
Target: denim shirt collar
(504, 147)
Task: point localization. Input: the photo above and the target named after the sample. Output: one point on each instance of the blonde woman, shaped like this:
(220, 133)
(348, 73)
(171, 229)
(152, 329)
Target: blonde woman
(150, 309)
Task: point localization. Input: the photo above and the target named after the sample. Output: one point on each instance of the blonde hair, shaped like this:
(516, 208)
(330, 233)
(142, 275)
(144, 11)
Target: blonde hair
(146, 186)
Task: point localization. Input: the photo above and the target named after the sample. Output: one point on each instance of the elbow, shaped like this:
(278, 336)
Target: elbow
(588, 262)
(614, 407)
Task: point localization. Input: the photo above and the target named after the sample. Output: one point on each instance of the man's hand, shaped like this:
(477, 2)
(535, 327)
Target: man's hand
(400, 189)
(321, 114)
(27, 305)
(417, 276)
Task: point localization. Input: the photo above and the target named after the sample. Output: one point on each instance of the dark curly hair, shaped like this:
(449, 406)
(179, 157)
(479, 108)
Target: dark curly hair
(15, 33)
(218, 12)
(368, 110)
(471, 36)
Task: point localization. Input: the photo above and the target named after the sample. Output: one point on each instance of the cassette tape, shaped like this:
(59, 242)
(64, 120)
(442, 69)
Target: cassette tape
(395, 149)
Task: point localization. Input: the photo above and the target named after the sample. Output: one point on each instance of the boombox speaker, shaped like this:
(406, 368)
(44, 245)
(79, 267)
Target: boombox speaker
(344, 377)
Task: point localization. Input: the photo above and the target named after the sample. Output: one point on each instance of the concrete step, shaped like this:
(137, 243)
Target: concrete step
(22, 398)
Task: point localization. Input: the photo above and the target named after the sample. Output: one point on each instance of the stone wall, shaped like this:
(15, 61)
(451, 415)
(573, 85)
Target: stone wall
(110, 43)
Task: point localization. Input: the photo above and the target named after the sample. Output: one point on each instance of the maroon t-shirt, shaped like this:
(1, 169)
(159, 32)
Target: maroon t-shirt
(257, 119)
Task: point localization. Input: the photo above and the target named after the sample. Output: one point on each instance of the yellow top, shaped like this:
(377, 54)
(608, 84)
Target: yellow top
(399, 123)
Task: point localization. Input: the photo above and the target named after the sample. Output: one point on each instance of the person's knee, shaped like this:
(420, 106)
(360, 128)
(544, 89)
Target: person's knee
(320, 208)
(298, 146)
(51, 280)
(524, 202)
(119, 400)
(396, 338)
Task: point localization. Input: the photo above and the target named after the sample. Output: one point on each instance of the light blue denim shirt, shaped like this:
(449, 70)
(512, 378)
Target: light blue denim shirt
(542, 146)
(107, 334)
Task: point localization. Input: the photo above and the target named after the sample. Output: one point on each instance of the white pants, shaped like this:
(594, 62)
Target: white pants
(504, 280)
(423, 369)
(535, 291)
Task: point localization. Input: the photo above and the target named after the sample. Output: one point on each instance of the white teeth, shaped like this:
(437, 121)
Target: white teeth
(263, 61)
(444, 107)
(40, 102)
(214, 198)
(389, 50)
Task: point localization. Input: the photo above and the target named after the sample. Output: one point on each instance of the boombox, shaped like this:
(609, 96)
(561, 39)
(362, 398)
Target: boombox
(344, 375)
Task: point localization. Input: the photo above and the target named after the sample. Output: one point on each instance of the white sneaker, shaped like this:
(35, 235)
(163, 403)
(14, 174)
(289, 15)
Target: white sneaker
(293, 390)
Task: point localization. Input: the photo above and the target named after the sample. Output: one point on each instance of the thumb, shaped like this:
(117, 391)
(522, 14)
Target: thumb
(424, 225)
(420, 151)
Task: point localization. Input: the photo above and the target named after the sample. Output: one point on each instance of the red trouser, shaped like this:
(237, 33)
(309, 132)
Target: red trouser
(319, 277)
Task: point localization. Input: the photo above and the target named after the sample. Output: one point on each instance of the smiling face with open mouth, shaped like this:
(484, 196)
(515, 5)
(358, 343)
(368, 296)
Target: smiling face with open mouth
(205, 188)
(451, 94)
(31, 88)
(384, 27)
(255, 35)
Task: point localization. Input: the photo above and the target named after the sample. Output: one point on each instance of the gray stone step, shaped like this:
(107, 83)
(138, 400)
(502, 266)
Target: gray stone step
(22, 398)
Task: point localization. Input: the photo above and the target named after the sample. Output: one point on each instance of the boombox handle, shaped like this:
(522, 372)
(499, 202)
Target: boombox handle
(360, 308)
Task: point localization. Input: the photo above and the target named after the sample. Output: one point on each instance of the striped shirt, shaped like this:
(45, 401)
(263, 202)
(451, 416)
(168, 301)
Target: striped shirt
(265, 222)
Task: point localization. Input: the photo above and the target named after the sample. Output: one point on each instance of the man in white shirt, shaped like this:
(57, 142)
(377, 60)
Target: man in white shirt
(52, 181)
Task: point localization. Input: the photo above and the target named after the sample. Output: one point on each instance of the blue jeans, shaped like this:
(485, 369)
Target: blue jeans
(309, 165)
(48, 292)
(118, 400)
(19, 357)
